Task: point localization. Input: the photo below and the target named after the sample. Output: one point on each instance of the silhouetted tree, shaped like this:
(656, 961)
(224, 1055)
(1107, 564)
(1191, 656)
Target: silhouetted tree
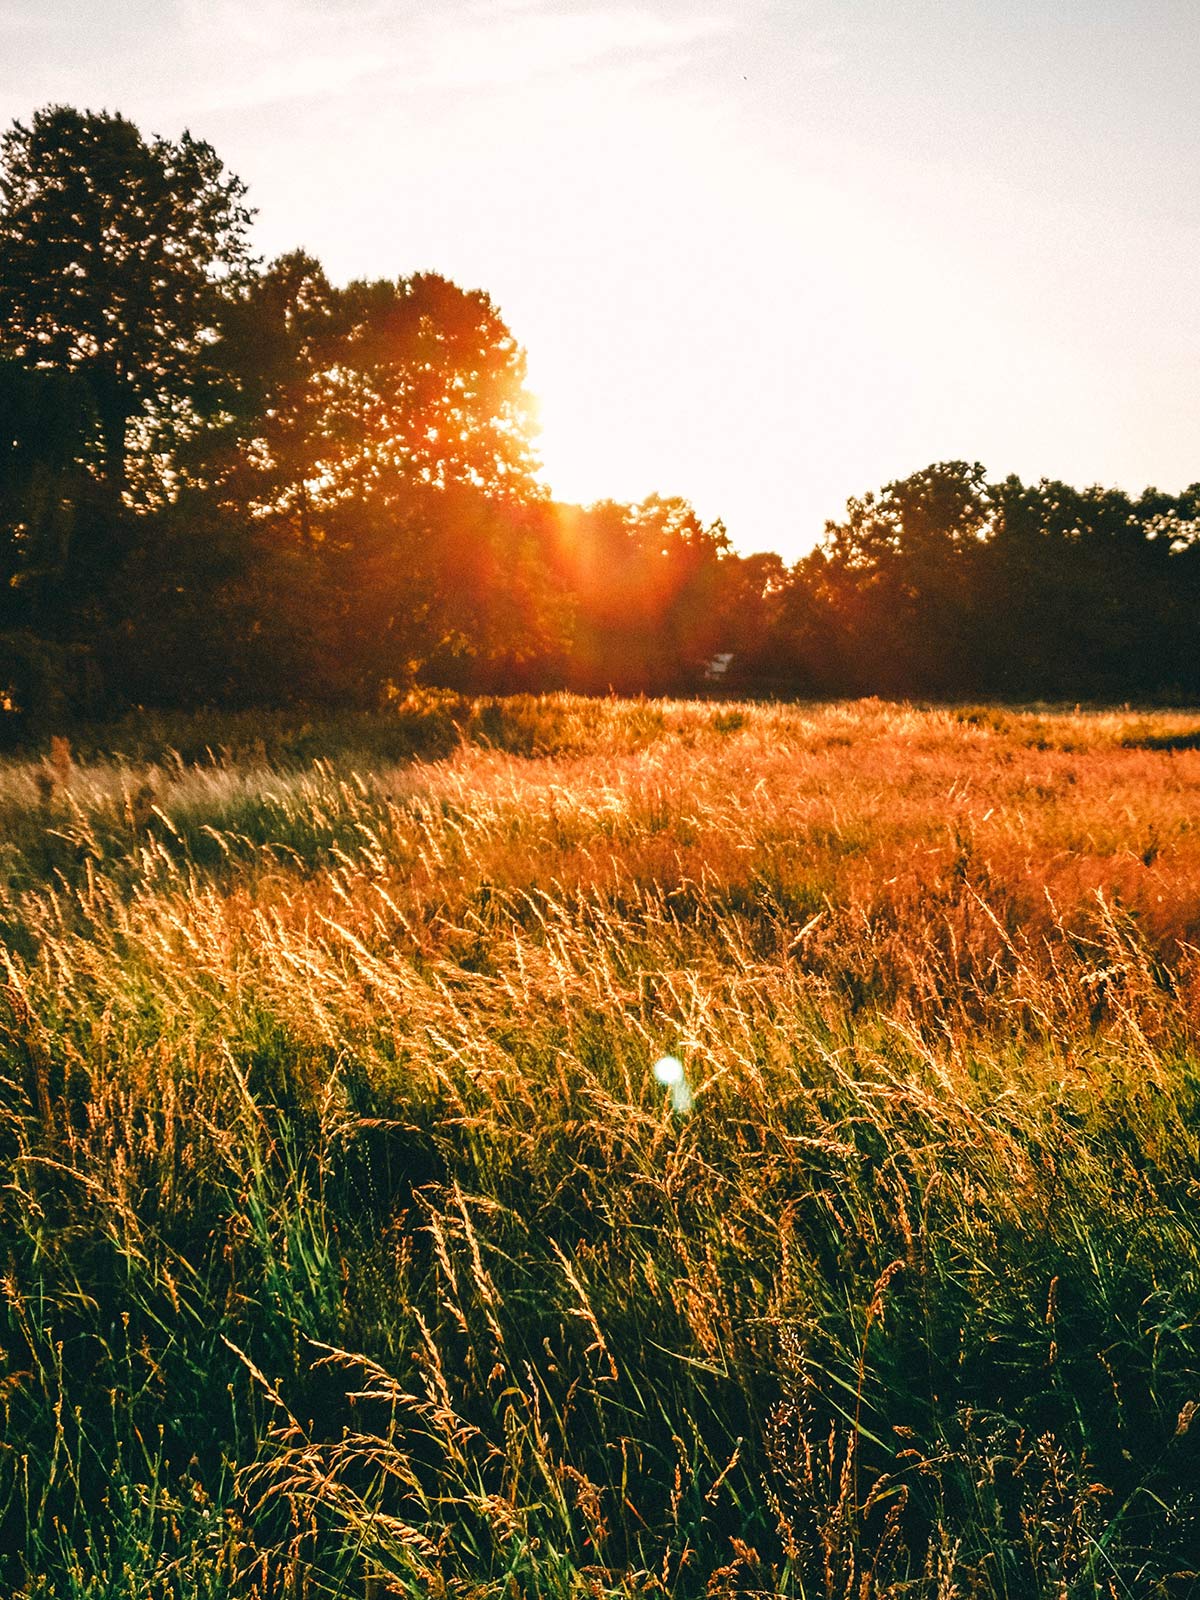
(44, 499)
(383, 433)
(435, 387)
(340, 394)
(744, 618)
(901, 569)
(946, 584)
(44, 420)
(1081, 587)
(112, 252)
(441, 582)
(228, 485)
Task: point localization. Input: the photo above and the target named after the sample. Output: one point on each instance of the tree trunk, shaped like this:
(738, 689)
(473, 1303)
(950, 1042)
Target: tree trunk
(113, 411)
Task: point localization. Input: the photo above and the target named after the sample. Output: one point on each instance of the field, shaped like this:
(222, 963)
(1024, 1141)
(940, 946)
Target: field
(350, 1246)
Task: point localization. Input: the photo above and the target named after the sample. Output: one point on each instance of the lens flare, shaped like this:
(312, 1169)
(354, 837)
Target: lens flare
(669, 1070)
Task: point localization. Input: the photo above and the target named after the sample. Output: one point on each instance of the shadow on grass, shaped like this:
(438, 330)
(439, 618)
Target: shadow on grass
(1164, 741)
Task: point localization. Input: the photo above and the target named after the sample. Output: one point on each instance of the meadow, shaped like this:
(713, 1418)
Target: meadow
(350, 1247)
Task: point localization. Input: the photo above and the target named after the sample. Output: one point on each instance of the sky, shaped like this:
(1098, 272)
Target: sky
(764, 254)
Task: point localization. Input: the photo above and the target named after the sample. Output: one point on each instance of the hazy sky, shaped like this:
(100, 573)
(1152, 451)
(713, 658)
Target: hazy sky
(762, 253)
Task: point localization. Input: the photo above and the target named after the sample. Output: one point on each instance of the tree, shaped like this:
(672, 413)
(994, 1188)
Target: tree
(383, 432)
(648, 584)
(349, 394)
(270, 440)
(446, 583)
(434, 383)
(112, 252)
(745, 617)
(903, 571)
(1085, 591)
(44, 418)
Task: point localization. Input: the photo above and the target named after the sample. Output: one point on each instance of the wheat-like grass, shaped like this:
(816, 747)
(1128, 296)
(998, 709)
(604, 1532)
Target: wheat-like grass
(352, 1246)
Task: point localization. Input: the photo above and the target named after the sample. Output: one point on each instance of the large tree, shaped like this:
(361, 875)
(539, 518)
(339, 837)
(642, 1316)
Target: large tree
(113, 248)
(369, 391)
(901, 572)
(376, 440)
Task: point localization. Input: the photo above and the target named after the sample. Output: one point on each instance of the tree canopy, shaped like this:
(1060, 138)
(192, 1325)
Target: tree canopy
(113, 252)
(229, 482)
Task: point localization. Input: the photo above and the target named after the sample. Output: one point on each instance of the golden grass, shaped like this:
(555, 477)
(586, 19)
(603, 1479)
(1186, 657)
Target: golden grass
(333, 1081)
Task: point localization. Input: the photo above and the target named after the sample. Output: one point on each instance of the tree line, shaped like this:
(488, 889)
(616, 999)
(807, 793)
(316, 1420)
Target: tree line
(230, 483)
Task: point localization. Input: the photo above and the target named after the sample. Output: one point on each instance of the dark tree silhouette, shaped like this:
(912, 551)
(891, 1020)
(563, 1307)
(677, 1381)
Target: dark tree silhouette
(904, 562)
(44, 420)
(375, 444)
(945, 584)
(339, 394)
(112, 250)
(227, 485)
(272, 436)
(436, 387)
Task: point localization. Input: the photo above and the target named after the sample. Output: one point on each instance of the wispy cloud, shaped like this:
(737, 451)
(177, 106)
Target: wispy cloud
(187, 58)
(509, 42)
(279, 50)
(244, 56)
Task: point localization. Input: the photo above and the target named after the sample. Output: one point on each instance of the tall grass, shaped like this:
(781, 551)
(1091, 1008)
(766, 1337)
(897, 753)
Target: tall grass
(350, 1246)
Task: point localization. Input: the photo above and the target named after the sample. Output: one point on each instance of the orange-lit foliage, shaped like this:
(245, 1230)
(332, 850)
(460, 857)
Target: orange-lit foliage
(365, 393)
(645, 581)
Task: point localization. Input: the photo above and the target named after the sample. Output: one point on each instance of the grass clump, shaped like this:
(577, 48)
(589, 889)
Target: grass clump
(351, 1247)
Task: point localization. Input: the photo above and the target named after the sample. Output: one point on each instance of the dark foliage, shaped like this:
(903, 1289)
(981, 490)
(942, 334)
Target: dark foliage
(228, 485)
